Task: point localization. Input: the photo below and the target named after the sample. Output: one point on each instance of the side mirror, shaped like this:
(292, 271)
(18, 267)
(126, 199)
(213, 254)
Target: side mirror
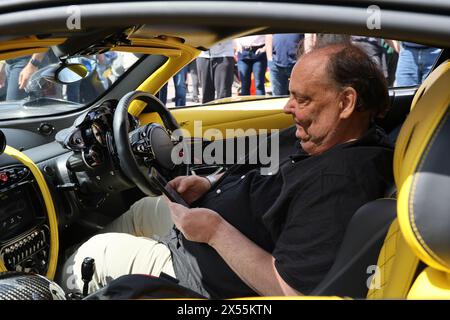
(2, 142)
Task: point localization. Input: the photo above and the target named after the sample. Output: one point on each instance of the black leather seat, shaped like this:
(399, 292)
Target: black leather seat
(363, 240)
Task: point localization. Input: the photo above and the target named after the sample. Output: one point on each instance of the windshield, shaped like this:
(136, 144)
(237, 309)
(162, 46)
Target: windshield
(26, 87)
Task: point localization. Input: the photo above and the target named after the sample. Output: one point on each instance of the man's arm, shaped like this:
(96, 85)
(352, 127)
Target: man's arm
(253, 265)
(29, 69)
(394, 44)
(309, 42)
(191, 188)
(2, 73)
(237, 46)
(269, 47)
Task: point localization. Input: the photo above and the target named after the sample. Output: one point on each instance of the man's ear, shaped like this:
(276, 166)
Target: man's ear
(347, 104)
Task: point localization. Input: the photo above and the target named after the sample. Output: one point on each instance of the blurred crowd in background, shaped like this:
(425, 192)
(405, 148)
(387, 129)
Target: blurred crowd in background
(253, 65)
(262, 64)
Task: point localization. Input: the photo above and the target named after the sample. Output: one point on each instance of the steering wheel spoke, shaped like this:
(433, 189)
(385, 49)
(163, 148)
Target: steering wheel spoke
(140, 142)
(146, 146)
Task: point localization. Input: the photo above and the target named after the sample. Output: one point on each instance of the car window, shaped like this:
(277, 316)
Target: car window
(26, 82)
(260, 66)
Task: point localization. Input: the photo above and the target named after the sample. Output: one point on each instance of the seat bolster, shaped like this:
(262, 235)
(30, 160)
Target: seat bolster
(423, 200)
(396, 267)
(359, 251)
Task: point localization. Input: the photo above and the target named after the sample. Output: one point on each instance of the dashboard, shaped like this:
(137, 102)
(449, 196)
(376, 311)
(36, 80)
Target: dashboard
(80, 173)
(91, 135)
(94, 166)
(24, 232)
(84, 175)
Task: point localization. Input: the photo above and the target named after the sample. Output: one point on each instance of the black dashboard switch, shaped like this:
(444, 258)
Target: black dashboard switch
(75, 163)
(49, 170)
(46, 129)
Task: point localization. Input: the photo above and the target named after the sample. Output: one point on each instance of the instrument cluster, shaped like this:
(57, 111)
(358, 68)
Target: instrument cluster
(92, 134)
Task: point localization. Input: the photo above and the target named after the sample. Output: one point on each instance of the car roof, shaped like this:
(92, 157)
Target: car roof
(201, 24)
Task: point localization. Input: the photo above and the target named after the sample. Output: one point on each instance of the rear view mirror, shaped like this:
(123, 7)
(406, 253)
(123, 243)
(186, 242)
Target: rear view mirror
(75, 69)
(71, 73)
(65, 72)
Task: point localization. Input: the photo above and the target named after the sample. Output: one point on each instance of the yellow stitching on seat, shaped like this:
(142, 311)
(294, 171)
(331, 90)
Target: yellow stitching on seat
(386, 263)
(393, 234)
(389, 259)
(413, 191)
(396, 232)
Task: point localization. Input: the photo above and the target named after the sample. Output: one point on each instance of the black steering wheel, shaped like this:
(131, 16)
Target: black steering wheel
(147, 146)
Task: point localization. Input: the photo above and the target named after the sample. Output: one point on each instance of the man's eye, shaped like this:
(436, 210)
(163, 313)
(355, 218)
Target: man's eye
(302, 100)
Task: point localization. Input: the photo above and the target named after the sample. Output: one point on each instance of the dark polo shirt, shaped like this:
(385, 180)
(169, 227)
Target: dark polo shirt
(298, 214)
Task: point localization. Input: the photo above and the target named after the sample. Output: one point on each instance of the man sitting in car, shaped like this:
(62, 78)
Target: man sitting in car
(253, 234)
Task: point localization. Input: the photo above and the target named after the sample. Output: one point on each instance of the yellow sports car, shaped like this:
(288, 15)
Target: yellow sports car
(83, 134)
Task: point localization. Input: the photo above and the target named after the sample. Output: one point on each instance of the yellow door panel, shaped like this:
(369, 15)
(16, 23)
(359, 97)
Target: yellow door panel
(259, 114)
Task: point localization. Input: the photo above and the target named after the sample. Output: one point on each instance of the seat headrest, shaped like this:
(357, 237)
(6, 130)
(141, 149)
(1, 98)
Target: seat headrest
(422, 171)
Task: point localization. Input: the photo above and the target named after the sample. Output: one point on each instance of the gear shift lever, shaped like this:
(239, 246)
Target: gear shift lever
(87, 272)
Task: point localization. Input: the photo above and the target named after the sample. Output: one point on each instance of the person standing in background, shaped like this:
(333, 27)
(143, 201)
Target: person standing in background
(2, 80)
(104, 67)
(251, 57)
(18, 71)
(414, 63)
(179, 81)
(317, 40)
(281, 50)
(392, 48)
(374, 49)
(215, 70)
(193, 72)
(13, 69)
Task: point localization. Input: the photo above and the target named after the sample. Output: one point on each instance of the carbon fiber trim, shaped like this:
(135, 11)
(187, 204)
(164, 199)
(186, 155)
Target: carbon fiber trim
(21, 286)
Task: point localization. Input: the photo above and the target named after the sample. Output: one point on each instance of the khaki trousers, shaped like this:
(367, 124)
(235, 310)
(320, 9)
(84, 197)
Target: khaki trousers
(127, 246)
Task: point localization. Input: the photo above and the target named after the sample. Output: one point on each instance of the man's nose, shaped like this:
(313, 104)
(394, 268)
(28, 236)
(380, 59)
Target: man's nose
(288, 107)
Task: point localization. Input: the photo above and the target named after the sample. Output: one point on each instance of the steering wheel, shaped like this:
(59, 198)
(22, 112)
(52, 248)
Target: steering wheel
(147, 146)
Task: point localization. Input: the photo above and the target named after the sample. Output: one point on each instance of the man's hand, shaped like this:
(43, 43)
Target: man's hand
(260, 50)
(239, 48)
(190, 188)
(25, 75)
(394, 44)
(198, 224)
(2, 77)
(252, 264)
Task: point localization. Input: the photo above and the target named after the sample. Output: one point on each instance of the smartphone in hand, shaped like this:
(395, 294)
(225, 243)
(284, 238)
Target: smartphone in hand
(165, 188)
